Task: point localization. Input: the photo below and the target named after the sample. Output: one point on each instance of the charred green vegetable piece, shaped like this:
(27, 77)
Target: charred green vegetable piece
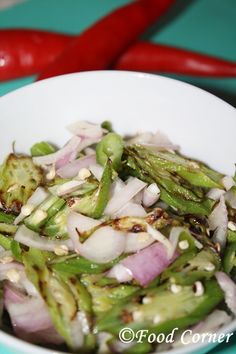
(167, 309)
(77, 265)
(19, 177)
(110, 148)
(7, 218)
(56, 225)
(94, 204)
(42, 148)
(44, 212)
(192, 266)
(62, 296)
(106, 292)
(182, 181)
(7, 228)
(5, 242)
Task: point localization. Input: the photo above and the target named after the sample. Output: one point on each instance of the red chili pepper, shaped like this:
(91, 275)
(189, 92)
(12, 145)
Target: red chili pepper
(100, 45)
(150, 57)
(28, 52)
(25, 52)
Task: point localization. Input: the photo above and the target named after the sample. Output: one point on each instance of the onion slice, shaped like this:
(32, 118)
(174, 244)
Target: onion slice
(97, 171)
(104, 245)
(215, 193)
(86, 129)
(39, 195)
(31, 239)
(120, 273)
(229, 289)
(148, 263)
(30, 317)
(218, 221)
(151, 194)
(67, 153)
(131, 209)
(137, 241)
(228, 182)
(158, 141)
(158, 236)
(119, 200)
(82, 223)
(72, 169)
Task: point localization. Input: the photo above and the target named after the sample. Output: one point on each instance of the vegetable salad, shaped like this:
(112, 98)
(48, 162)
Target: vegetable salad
(109, 232)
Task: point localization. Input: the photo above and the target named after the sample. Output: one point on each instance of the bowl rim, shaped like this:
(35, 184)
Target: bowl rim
(15, 343)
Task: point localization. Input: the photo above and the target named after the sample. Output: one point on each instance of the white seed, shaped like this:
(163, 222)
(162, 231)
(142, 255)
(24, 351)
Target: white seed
(209, 267)
(13, 188)
(61, 250)
(137, 316)
(6, 259)
(84, 173)
(199, 289)
(194, 164)
(40, 215)
(13, 275)
(183, 245)
(154, 189)
(175, 289)
(198, 244)
(157, 319)
(51, 173)
(147, 300)
(27, 209)
(232, 226)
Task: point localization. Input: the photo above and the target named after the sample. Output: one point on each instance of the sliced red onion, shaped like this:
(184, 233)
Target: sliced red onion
(104, 245)
(76, 333)
(157, 140)
(151, 194)
(131, 209)
(39, 195)
(120, 273)
(31, 239)
(137, 241)
(119, 200)
(5, 268)
(215, 193)
(29, 316)
(62, 156)
(117, 186)
(148, 263)
(68, 187)
(140, 138)
(230, 197)
(72, 169)
(158, 236)
(97, 171)
(86, 129)
(229, 289)
(13, 294)
(228, 182)
(82, 223)
(218, 221)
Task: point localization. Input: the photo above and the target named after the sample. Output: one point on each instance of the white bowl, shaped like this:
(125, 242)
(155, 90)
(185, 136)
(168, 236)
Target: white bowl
(202, 124)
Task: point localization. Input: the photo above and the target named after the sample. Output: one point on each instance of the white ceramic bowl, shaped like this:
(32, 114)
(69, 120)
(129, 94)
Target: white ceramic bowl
(202, 124)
